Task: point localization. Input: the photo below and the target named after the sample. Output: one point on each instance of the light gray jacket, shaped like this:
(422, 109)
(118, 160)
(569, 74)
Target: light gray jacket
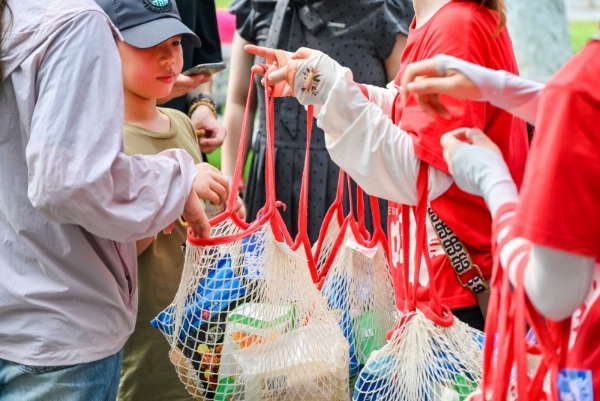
(71, 202)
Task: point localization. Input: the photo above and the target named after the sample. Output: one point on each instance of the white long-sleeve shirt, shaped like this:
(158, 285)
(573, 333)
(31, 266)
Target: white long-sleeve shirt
(364, 141)
(71, 202)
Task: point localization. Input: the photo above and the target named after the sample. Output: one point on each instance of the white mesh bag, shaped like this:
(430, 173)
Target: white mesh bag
(357, 285)
(247, 322)
(430, 355)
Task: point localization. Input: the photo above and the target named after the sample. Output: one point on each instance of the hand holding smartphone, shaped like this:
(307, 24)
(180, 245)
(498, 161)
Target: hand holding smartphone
(207, 69)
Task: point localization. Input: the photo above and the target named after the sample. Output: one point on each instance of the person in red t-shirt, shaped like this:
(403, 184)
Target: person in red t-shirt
(559, 203)
(380, 141)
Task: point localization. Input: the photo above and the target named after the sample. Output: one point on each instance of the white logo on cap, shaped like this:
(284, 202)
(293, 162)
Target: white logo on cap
(158, 6)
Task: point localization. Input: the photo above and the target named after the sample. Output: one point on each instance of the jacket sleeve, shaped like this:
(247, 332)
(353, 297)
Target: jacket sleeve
(77, 171)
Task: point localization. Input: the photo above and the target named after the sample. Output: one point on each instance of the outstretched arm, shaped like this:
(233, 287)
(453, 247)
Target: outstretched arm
(478, 168)
(452, 76)
(361, 138)
(77, 171)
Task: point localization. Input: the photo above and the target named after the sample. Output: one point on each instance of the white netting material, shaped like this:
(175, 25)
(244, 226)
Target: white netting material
(248, 324)
(358, 288)
(423, 362)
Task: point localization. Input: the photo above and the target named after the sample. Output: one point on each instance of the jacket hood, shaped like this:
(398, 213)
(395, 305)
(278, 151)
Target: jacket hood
(29, 24)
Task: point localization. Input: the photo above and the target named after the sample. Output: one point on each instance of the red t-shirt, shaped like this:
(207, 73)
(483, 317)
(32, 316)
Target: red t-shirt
(560, 197)
(465, 30)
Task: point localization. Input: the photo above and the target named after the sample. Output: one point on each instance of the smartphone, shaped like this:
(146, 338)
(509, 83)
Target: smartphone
(208, 68)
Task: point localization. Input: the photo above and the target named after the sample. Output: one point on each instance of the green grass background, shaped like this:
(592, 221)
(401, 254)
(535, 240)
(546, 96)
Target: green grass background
(581, 32)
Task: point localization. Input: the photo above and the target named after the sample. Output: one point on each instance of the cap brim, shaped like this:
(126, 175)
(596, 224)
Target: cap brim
(157, 31)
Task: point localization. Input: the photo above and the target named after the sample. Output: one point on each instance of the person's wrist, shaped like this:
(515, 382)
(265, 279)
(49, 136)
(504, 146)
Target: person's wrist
(205, 100)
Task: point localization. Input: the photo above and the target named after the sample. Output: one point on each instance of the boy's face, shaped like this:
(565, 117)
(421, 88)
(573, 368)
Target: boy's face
(150, 73)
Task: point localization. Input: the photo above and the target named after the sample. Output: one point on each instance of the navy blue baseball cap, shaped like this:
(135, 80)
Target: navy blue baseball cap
(146, 23)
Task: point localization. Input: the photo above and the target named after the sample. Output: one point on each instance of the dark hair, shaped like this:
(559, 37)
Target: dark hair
(3, 30)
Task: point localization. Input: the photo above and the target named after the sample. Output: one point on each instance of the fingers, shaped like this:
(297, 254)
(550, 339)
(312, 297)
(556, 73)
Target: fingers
(198, 79)
(276, 75)
(424, 68)
(434, 85)
(213, 139)
(195, 216)
(449, 141)
(303, 52)
(218, 189)
(264, 52)
(259, 69)
(477, 137)
(210, 184)
(451, 138)
(426, 92)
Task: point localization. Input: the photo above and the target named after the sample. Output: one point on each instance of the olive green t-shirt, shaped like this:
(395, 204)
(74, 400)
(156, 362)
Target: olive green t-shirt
(147, 373)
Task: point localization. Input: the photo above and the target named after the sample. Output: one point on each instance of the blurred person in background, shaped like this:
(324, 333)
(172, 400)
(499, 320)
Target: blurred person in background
(367, 36)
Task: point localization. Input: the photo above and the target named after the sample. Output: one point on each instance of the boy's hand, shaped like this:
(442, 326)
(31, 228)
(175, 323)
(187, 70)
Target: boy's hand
(194, 215)
(214, 131)
(211, 184)
(183, 84)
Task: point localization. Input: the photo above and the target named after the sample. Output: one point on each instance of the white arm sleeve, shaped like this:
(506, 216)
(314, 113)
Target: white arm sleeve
(510, 92)
(375, 152)
(383, 97)
(77, 171)
(556, 282)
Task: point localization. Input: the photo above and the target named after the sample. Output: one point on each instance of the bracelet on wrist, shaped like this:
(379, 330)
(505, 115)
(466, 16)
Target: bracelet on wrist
(201, 96)
(203, 102)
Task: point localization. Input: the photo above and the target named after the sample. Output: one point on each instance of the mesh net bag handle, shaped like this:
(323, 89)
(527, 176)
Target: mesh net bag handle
(328, 241)
(378, 235)
(348, 222)
(429, 355)
(417, 296)
(360, 233)
(331, 226)
(247, 320)
(506, 349)
(356, 282)
(267, 211)
(302, 239)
